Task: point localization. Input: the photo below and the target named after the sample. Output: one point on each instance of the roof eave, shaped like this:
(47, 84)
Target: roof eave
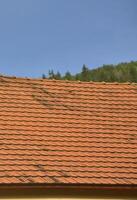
(70, 186)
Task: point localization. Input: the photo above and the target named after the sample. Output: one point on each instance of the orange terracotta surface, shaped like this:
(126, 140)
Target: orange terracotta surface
(62, 132)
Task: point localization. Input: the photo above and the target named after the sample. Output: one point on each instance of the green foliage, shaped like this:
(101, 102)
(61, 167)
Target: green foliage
(43, 76)
(85, 74)
(68, 76)
(123, 72)
(57, 76)
(53, 75)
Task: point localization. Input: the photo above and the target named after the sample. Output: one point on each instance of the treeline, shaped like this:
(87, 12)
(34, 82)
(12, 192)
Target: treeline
(123, 72)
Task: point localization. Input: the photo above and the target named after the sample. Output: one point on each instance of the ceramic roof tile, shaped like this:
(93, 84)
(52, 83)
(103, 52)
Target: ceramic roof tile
(67, 132)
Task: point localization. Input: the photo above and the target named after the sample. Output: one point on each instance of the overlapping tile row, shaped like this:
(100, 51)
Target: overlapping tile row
(60, 132)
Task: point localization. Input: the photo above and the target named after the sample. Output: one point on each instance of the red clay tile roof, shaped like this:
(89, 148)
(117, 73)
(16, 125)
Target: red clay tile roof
(62, 132)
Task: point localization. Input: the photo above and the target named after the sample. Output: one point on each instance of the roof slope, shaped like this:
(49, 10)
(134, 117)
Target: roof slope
(66, 132)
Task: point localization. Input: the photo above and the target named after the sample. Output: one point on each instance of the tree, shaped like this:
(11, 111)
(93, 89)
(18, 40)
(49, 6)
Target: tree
(123, 72)
(43, 76)
(57, 76)
(85, 73)
(67, 76)
(51, 74)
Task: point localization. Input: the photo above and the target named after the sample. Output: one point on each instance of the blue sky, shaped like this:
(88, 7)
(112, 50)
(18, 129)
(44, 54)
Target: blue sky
(38, 35)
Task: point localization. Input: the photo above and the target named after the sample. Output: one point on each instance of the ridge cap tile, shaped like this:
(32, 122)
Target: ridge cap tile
(67, 81)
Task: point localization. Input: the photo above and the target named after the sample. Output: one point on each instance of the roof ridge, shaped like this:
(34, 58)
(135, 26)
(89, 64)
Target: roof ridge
(68, 81)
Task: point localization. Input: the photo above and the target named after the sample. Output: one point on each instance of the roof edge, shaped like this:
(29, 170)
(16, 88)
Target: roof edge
(68, 81)
(70, 186)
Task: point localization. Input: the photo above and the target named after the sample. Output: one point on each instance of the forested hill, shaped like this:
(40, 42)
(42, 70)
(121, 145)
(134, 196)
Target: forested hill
(123, 72)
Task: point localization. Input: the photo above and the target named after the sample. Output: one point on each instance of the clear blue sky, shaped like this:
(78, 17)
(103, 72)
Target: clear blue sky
(38, 35)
